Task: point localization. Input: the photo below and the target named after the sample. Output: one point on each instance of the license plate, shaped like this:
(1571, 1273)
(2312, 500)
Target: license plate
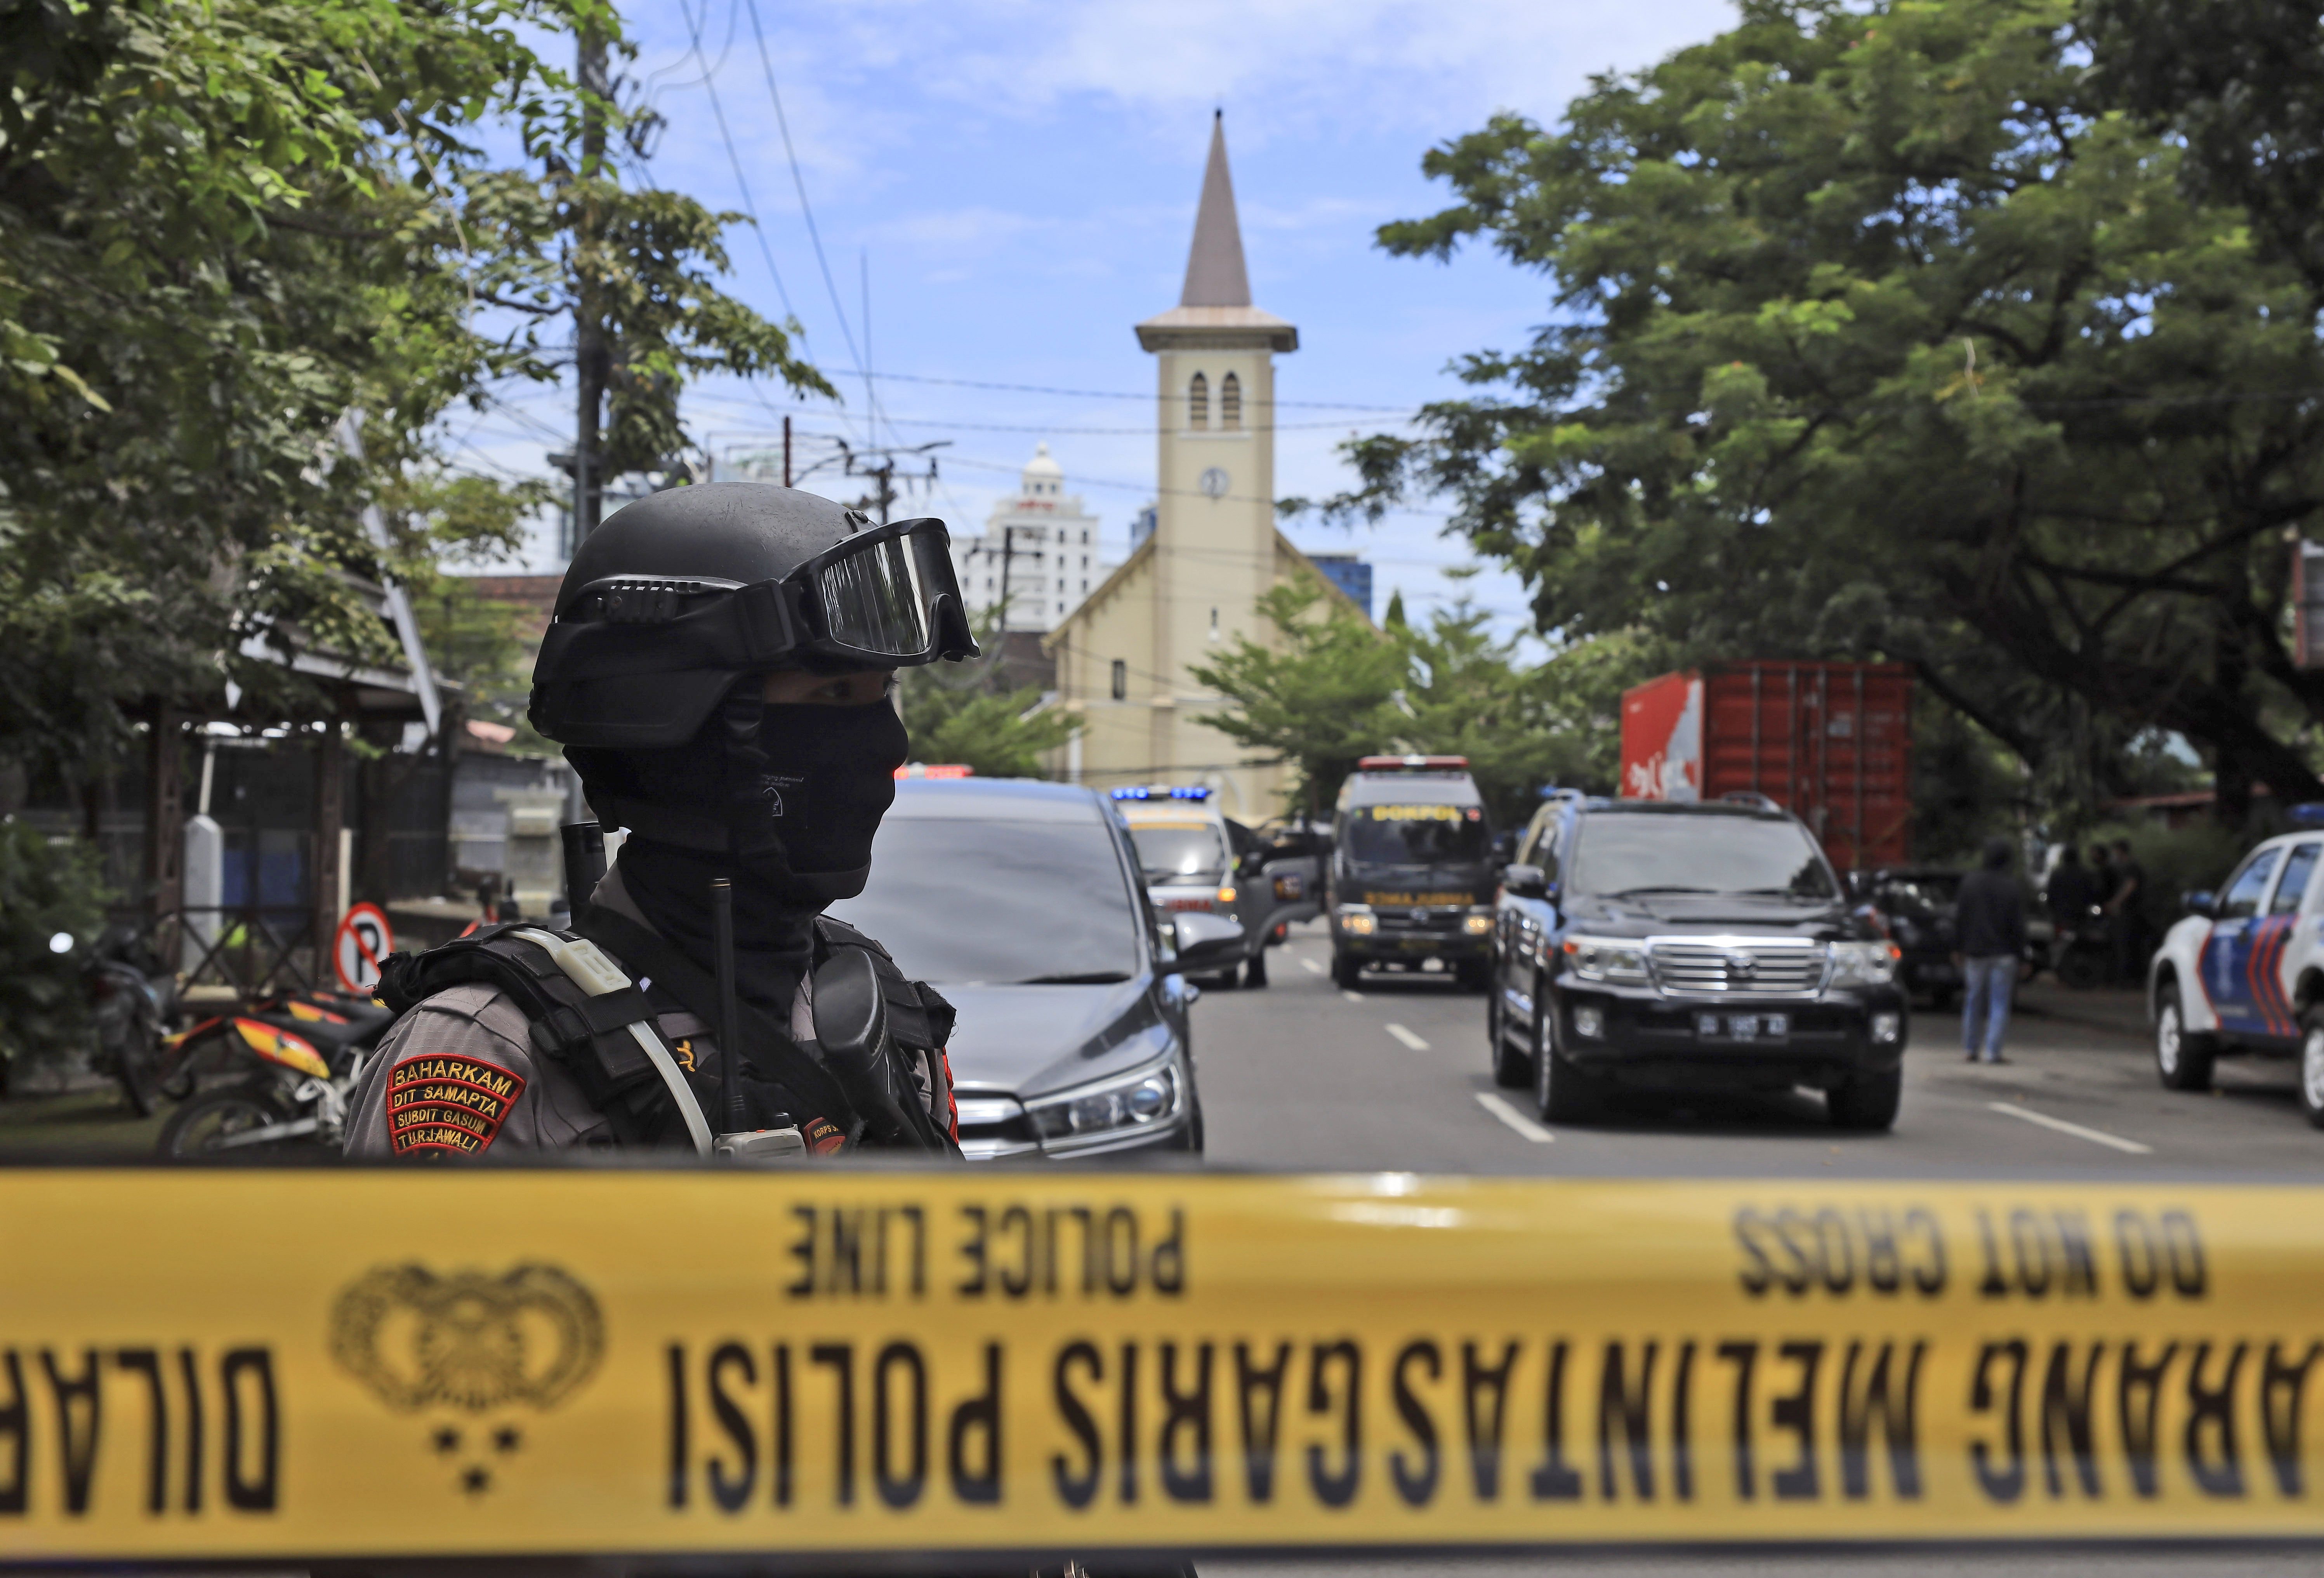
(1742, 1027)
(1177, 904)
(1419, 945)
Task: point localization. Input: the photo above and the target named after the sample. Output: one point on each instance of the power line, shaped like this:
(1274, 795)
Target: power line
(750, 207)
(799, 183)
(1103, 393)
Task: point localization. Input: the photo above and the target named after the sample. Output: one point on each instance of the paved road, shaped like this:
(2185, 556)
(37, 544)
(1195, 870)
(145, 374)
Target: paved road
(1303, 1075)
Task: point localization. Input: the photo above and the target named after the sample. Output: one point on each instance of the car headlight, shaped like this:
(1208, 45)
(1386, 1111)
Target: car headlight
(1478, 922)
(1600, 958)
(1107, 1109)
(1864, 964)
(1356, 919)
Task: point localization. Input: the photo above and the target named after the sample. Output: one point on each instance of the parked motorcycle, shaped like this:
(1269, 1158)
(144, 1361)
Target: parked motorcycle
(132, 998)
(2083, 955)
(292, 1062)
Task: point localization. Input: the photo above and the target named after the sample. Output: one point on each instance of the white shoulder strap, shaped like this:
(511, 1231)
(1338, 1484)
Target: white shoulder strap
(587, 965)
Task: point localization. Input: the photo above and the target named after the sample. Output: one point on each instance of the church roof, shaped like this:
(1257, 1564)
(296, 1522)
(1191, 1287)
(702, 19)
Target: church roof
(1215, 275)
(1215, 303)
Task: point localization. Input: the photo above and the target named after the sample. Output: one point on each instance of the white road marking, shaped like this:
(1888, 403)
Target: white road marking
(1407, 1037)
(2095, 1136)
(1312, 967)
(1500, 1107)
(1352, 996)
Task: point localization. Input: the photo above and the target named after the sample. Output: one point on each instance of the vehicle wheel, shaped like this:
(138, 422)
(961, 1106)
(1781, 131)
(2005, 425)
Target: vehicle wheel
(198, 1127)
(1867, 1102)
(1346, 971)
(1940, 1000)
(1561, 1091)
(2082, 969)
(1512, 1067)
(2182, 1059)
(1473, 975)
(1254, 973)
(2311, 1066)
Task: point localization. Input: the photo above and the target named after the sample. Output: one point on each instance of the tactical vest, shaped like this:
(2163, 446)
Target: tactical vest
(586, 1013)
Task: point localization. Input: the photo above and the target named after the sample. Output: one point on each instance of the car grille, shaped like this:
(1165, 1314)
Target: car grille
(1715, 966)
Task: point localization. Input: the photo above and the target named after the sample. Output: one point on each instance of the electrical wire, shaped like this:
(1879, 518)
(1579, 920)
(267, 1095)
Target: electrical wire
(1101, 394)
(799, 183)
(750, 207)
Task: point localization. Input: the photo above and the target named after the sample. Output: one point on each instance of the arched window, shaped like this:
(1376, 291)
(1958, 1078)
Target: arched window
(1198, 403)
(1230, 402)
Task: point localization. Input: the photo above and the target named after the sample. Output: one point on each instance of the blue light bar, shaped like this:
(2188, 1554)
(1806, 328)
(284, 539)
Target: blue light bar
(1159, 791)
(2308, 814)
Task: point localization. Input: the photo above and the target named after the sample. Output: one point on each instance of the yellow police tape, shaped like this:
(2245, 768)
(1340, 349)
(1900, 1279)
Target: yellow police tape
(446, 1362)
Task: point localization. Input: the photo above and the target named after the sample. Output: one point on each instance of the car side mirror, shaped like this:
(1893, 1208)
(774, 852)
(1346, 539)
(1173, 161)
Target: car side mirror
(1528, 881)
(2199, 901)
(1206, 942)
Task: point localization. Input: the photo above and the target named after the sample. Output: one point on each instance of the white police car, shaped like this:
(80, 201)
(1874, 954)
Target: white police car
(2244, 972)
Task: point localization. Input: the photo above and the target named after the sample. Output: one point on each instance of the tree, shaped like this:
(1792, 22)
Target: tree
(1336, 690)
(1879, 332)
(966, 712)
(1319, 701)
(225, 227)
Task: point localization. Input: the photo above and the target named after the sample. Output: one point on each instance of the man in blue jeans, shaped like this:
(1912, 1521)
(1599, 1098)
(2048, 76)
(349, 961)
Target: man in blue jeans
(1989, 921)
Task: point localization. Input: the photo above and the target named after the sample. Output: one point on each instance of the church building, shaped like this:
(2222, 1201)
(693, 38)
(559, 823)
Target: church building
(1192, 584)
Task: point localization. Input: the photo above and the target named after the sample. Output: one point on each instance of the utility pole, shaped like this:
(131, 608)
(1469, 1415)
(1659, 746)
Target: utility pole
(787, 452)
(592, 357)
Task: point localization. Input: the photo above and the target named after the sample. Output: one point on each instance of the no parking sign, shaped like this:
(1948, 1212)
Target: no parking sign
(365, 939)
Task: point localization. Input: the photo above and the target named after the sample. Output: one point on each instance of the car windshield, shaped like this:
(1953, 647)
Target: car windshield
(1418, 835)
(988, 902)
(1929, 890)
(1638, 854)
(1180, 851)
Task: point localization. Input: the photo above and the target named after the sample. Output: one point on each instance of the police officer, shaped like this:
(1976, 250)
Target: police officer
(720, 671)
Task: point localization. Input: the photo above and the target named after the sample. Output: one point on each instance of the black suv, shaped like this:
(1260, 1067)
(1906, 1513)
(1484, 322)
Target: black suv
(1654, 945)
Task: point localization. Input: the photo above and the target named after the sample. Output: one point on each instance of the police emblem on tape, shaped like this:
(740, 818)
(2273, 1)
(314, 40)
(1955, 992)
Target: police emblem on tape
(469, 1340)
(468, 1345)
(448, 1106)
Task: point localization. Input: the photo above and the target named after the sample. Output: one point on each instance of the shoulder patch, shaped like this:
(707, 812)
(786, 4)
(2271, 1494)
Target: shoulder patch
(439, 1105)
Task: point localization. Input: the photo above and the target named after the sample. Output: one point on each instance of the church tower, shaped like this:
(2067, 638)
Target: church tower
(1194, 586)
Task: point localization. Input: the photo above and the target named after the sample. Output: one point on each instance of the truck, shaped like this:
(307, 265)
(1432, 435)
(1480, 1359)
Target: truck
(1829, 743)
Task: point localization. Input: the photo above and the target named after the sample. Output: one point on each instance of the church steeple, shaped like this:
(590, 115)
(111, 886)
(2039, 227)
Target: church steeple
(1215, 275)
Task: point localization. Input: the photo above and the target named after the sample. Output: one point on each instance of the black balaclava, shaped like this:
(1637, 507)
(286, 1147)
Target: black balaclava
(797, 791)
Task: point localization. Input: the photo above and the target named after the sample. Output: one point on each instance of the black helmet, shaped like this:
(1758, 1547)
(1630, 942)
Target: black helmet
(683, 593)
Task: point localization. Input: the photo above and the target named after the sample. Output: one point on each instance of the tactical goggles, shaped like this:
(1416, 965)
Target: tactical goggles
(885, 598)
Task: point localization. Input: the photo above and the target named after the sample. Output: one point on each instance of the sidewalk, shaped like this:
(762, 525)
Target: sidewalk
(2118, 1010)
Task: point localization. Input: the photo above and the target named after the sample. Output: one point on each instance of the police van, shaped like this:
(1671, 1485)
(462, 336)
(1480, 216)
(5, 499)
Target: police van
(1412, 874)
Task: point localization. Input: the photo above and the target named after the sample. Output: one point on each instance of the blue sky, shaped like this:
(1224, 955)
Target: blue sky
(1021, 177)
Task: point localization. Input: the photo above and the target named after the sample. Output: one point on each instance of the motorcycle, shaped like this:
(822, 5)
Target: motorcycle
(295, 1060)
(2084, 954)
(132, 1000)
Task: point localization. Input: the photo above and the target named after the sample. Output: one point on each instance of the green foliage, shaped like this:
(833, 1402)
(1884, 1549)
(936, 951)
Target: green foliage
(1321, 699)
(45, 889)
(1881, 333)
(1333, 690)
(968, 713)
(225, 225)
(1967, 786)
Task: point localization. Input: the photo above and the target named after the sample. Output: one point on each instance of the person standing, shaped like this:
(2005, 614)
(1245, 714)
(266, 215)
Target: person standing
(1990, 918)
(2073, 890)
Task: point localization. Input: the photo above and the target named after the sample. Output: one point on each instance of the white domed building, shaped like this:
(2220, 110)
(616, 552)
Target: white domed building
(1039, 551)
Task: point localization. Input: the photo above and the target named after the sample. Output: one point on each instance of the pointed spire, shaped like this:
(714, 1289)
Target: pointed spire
(1215, 275)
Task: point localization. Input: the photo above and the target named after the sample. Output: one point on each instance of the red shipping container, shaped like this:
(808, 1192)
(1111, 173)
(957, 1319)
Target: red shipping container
(1830, 742)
